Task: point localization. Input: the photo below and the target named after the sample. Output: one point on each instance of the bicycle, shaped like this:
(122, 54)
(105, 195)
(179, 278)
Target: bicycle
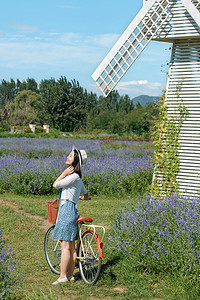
(89, 250)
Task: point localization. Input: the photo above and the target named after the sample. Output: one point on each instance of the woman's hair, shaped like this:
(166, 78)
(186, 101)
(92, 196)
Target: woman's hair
(76, 164)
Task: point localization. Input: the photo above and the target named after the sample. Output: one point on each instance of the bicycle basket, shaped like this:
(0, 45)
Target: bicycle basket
(52, 212)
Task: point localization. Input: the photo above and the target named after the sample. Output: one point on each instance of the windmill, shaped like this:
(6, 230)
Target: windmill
(177, 22)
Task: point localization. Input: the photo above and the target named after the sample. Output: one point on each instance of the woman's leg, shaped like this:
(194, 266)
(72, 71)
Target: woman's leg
(72, 260)
(65, 258)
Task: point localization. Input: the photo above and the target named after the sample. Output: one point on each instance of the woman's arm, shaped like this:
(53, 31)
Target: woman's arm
(84, 192)
(68, 171)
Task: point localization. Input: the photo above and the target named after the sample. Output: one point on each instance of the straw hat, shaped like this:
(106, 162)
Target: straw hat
(82, 155)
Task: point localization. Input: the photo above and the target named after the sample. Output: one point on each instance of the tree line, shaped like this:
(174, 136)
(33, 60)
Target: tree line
(68, 107)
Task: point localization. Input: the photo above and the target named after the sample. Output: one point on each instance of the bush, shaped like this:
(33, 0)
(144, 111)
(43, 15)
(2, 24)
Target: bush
(160, 235)
(26, 129)
(9, 282)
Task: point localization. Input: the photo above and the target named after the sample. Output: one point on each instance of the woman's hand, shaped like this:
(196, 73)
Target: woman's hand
(85, 197)
(68, 171)
(55, 200)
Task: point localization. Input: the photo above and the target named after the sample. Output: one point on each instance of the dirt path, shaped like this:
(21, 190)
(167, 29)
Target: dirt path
(45, 224)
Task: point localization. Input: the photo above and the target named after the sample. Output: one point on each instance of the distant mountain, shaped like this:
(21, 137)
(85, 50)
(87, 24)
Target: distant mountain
(144, 99)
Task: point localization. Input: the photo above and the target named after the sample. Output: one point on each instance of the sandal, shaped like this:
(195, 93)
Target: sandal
(71, 278)
(60, 280)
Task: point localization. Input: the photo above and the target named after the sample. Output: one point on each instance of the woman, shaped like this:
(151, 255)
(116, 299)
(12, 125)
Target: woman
(66, 229)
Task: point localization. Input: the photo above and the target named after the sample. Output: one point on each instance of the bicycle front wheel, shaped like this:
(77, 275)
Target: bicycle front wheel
(52, 251)
(89, 257)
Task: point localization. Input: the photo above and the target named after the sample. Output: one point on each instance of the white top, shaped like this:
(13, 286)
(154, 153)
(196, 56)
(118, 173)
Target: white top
(72, 185)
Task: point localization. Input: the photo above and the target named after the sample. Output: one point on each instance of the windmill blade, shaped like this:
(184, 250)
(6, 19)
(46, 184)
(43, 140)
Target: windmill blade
(129, 46)
(193, 7)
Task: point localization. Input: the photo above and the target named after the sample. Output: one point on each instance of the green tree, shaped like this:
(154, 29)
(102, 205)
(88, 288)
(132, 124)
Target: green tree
(63, 104)
(24, 109)
(7, 92)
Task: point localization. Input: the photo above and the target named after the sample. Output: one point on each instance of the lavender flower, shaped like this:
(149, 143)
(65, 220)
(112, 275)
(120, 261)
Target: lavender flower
(162, 233)
(9, 283)
(31, 165)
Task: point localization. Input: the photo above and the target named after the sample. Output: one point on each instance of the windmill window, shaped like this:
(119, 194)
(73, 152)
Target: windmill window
(110, 73)
(115, 79)
(136, 31)
(125, 67)
(139, 37)
(113, 62)
(108, 68)
(148, 25)
(127, 44)
(107, 79)
(120, 73)
(154, 28)
(121, 62)
(144, 42)
(154, 17)
(131, 38)
(111, 84)
(134, 55)
(103, 75)
(99, 81)
(103, 85)
(126, 55)
(129, 60)
(139, 48)
(144, 28)
(135, 42)
(140, 25)
(117, 56)
(122, 50)
(130, 49)
(116, 68)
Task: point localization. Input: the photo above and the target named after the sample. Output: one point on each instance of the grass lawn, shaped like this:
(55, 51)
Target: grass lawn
(24, 221)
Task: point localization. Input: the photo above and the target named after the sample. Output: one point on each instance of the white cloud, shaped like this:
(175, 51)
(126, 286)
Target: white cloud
(133, 88)
(139, 87)
(74, 54)
(103, 40)
(69, 50)
(25, 28)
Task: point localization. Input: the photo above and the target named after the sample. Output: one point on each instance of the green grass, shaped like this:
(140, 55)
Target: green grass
(117, 280)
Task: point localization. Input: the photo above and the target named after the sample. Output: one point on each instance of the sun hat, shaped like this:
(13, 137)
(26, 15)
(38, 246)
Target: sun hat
(81, 154)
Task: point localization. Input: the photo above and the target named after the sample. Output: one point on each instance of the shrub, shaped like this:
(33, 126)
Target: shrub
(9, 282)
(160, 235)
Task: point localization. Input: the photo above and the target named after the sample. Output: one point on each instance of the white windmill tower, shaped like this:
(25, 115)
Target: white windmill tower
(177, 22)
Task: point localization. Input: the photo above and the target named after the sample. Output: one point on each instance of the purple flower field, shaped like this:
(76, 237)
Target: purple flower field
(160, 235)
(31, 165)
(9, 282)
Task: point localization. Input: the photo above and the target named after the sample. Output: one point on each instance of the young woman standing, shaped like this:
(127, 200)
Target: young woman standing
(66, 228)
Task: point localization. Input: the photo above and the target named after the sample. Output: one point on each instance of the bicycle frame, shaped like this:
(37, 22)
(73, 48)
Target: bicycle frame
(92, 228)
(89, 248)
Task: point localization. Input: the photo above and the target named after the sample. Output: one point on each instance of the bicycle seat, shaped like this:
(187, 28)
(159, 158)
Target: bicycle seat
(84, 219)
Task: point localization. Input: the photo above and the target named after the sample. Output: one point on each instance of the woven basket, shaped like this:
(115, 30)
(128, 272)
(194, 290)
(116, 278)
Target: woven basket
(52, 212)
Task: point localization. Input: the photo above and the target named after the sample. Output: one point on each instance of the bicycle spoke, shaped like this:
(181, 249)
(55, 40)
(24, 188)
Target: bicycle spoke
(90, 265)
(52, 251)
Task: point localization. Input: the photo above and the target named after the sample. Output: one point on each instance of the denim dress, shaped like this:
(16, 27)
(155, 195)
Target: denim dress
(66, 228)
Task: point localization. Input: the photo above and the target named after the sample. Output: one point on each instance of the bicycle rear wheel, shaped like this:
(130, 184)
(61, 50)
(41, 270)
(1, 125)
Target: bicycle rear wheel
(52, 251)
(90, 260)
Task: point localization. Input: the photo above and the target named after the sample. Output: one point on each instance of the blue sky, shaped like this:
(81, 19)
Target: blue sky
(42, 39)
